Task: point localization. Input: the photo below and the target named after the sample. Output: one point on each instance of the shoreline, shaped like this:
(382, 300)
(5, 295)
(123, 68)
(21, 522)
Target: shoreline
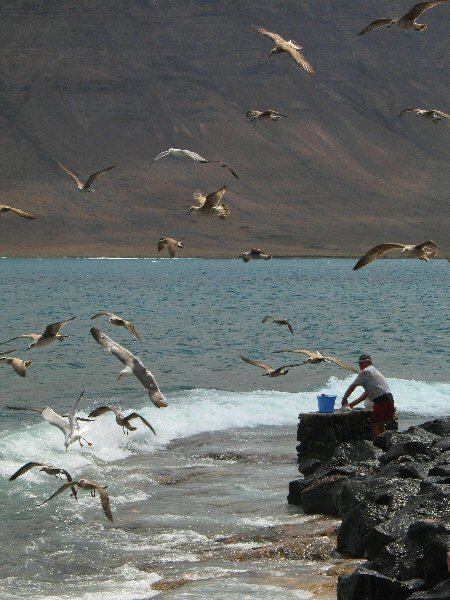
(150, 257)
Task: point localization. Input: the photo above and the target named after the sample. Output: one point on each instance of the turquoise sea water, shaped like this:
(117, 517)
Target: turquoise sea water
(195, 318)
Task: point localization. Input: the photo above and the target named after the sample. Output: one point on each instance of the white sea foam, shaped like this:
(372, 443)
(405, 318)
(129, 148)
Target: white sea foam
(198, 411)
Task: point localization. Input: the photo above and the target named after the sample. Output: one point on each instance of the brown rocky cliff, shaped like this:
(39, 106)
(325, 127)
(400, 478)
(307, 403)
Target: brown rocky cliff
(97, 82)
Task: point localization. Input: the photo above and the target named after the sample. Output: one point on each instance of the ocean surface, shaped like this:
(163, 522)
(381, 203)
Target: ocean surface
(224, 452)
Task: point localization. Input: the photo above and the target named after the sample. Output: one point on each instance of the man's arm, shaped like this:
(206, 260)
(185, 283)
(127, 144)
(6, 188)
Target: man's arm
(358, 400)
(351, 388)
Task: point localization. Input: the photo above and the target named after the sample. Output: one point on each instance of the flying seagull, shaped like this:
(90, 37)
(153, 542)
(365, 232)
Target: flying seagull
(121, 420)
(278, 321)
(20, 366)
(315, 358)
(271, 115)
(211, 204)
(424, 251)
(189, 155)
(433, 114)
(255, 254)
(70, 429)
(133, 366)
(93, 487)
(270, 371)
(171, 245)
(57, 472)
(116, 320)
(291, 47)
(85, 186)
(51, 333)
(408, 21)
(21, 213)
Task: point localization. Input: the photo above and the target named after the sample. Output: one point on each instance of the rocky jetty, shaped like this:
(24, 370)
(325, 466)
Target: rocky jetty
(393, 496)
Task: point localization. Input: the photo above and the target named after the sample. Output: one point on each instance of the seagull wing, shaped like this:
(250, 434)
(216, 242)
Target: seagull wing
(20, 366)
(298, 57)
(64, 487)
(442, 114)
(162, 242)
(418, 9)
(104, 499)
(273, 36)
(101, 410)
(72, 174)
(341, 363)
(199, 197)
(53, 418)
(17, 211)
(194, 156)
(72, 413)
(31, 336)
(135, 415)
(225, 166)
(256, 363)
(119, 352)
(288, 325)
(405, 110)
(213, 200)
(375, 253)
(132, 329)
(94, 176)
(428, 246)
(25, 468)
(375, 25)
(268, 318)
(308, 353)
(172, 246)
(54, 328)
(257, 251)
(102, 314)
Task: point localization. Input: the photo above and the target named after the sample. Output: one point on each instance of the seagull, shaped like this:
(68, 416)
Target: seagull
(315, 358)
(278, 321)
(93, 487)
(271, 115)
(70, 429)
(121, 420)
(254, 254)
(189, 155)
(433, 114)
(270, 371)
(424, 251)
(50, 334)
(211, 204)
(171, 245)
(20, 366)
(47, 469)
(291, 47)
(5, 208)
(116, 320)
(86, 186)
(133, 367)
(408, 21)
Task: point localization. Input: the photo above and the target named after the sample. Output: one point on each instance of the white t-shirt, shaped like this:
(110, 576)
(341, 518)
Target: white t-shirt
(373, 382)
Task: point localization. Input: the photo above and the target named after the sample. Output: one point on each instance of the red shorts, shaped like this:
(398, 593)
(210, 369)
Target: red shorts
(383, 409)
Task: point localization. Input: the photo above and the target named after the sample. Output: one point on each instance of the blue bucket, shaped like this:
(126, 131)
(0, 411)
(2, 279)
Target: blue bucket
(326, 403)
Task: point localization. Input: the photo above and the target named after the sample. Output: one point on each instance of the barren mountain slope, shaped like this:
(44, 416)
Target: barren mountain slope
(98, 82)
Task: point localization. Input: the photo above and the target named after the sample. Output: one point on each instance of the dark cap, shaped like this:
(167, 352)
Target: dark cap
(364, 358)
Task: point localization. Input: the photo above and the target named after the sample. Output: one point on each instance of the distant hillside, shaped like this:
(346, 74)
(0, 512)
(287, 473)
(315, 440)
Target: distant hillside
(98, 82)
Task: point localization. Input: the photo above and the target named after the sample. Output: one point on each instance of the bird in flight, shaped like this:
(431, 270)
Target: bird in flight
(133, 366)
(256, 115)
(433, 114)
(116, 320)
(255, 254)
(20, 366)
(86, 185)
(270, 371)
(4, 208)
(57, 472)
(121, 420)
(315, 358)
(51, 333)
(70, 428)
(93, 487)
(190, 155)
(407, 21)
(170, 244)
(211, 204)
(424, 251)
(278, 321)
(291, 47)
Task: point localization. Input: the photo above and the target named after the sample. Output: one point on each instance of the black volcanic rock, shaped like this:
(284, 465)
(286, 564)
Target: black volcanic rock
(364, 584)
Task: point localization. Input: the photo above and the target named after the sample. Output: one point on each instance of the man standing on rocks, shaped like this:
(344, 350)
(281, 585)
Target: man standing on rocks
(376, 389)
